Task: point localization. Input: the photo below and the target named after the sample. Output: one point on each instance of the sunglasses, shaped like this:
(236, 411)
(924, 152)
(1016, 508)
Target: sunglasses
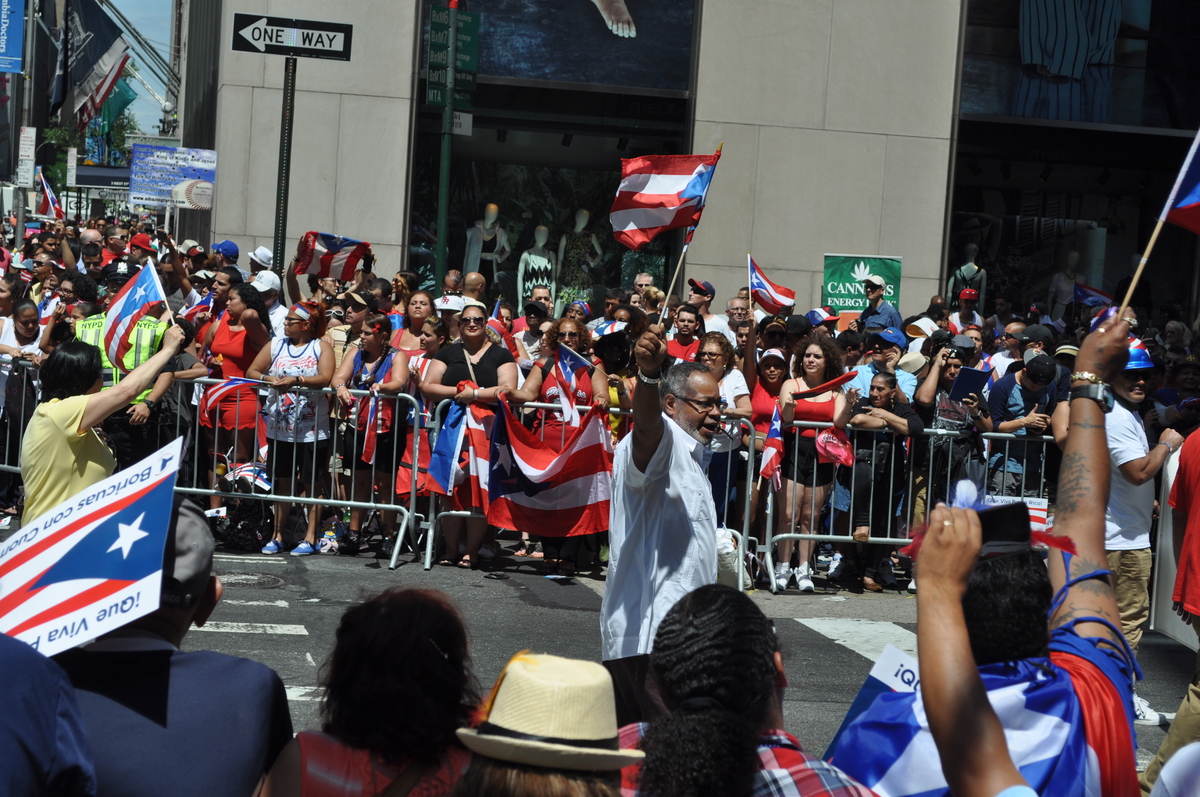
(471, 321)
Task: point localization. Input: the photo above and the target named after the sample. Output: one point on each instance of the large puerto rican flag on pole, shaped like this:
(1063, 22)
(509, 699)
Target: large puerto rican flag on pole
(659, 193)
(131, 304)
(94, 562)
(531, 487)
(1183, 205)
(328, 255)
(772, 298)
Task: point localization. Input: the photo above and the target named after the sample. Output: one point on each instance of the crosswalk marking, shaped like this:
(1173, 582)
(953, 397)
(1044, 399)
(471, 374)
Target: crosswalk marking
(254, 628)
(303, 693)
(224, 557)
(865, 637)
(231, 602)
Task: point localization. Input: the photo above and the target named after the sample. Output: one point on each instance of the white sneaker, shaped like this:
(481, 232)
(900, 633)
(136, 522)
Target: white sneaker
(783, 574)
(912, 586)
(804, 578)
(1144, 715)
(835, 568)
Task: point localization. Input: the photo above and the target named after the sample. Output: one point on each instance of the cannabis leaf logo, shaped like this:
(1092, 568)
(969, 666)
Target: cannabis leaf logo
(861, 272)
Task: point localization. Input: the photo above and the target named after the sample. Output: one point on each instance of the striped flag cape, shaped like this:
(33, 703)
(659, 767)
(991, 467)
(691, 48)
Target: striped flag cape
(1183, 204)
(325, 255)
(49, 204)
(458, 466)
(772, 456)
(211, 400)
(569, 368)
(533, 488)
(199, 307)
(772, 298)
(131, 304)
(659, 193)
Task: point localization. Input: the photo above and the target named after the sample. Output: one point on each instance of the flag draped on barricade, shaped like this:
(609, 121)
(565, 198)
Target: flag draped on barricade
(531, 487)
(211, 400)
(772, 456)
(131, 304)
(772, 298)
(93, 563)
(328, 255)
(458, 466)
(659, 193)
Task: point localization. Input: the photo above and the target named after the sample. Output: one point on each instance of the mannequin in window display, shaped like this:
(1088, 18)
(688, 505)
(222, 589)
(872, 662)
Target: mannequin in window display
(968, 275)
(1062, 286)
(576, 263)
(487, 245)
(536, 268)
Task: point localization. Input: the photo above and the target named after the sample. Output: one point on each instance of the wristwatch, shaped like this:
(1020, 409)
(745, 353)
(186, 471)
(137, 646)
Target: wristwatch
(1101, 393)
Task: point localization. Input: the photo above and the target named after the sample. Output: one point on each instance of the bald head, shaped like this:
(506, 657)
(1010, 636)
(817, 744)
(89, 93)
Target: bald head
(90, 237)
(475, 286)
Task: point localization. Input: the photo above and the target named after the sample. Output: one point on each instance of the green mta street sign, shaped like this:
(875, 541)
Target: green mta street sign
(436, 95)
(842, 288)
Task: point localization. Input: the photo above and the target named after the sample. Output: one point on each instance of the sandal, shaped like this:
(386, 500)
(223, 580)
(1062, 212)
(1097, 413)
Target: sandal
(870, 585)
(464, 563)
(566, 568)
(522, 549)
(865, 531)
(548, 567)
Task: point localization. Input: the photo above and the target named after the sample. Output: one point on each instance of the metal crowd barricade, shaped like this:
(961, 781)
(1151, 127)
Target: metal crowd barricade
(331, 466)
(896, 493)
(15, 417)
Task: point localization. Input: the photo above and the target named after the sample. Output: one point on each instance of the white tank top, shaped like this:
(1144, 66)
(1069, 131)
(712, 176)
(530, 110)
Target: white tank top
(298, 417)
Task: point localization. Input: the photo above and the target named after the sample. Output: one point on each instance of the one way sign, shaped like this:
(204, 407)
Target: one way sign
(303, 38)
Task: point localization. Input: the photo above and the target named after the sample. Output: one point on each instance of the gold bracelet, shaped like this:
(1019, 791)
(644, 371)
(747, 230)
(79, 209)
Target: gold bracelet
(1087, 376)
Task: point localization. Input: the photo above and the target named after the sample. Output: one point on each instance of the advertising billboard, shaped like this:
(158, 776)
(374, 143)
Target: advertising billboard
(175, 176)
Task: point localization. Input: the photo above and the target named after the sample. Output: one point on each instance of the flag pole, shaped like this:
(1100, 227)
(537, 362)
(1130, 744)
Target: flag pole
(1141, 266)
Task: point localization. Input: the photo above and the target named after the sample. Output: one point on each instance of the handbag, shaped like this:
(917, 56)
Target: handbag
(833, 446)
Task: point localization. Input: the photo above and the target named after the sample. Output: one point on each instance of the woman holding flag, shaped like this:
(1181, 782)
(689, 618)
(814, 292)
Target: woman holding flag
(297, 423)
(472, 370)
(378, 440)
(233, 341)
(563, 376)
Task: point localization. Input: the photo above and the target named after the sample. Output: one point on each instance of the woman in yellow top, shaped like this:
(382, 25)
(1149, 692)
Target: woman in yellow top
(60, 453)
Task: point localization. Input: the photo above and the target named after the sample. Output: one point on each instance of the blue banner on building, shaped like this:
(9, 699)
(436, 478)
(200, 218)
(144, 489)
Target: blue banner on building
(12, 35)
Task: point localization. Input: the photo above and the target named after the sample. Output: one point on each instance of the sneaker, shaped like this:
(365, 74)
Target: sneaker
(272, 547)
(304, 549)
(804, 577)
(783, 574)
(1144, 715)
(912, 586)
(835, 568)
(327, 545)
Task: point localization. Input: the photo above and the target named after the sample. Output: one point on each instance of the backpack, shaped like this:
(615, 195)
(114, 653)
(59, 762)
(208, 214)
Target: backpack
(251, 526)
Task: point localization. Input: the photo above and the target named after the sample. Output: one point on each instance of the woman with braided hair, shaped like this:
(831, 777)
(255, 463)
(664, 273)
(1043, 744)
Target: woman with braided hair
(718, 668)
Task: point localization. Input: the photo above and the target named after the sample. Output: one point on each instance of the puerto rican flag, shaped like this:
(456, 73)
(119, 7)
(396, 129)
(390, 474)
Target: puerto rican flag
(659, 193)
(1183, 204)
(94, 562)
(772, 298)
(325, 255)
(131, 304)
(49, 204)
(569, 367)
(458, 465)
(533, 488)
(199, 307)
(1091, 297)
(772, 456)
(496, 324)
(211, 400)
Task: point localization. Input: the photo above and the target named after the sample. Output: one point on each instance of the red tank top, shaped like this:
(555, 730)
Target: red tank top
(813, 412)
(762, 405)
(236, 353)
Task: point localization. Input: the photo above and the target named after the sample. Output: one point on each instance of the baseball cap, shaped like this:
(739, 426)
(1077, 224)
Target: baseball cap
(1040, 308)
(875, 280)
(187, 557)
(1066, 349)
(366, 300)
(798, 325)
(1041, 369)
(262, 255)
(538, 309)
(773, 353)
(203, 274)
(191, 248)
(969, 293)
(266, 281)
(142, 241)
(703, 286)
(226, 249)
(962, 342)
(775, 320)
(452, 304)
(1036, 333)
(892, 337)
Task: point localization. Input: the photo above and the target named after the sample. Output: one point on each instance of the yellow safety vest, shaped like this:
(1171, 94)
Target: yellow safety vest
(145, 337)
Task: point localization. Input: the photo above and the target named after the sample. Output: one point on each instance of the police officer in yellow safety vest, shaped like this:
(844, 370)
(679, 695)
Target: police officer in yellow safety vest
(138, 431)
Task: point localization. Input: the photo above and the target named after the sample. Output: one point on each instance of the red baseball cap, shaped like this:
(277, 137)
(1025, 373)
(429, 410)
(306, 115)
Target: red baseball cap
(142, 241)
(969, 293)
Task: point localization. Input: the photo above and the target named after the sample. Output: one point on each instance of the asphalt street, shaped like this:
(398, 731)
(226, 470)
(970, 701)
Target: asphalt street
(283, 611)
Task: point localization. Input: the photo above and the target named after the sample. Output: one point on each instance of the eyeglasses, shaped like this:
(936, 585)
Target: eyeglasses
(704, 407)
(709, 355)
(471, 321)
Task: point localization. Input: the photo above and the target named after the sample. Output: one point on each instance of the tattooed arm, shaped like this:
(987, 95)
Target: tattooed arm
(1083, 491)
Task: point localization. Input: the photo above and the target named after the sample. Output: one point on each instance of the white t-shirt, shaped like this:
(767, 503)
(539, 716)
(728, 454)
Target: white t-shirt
(278, 315)
(957, 324)
(730, 436)
(662, 539)
(1179, 776)
(1127, 518)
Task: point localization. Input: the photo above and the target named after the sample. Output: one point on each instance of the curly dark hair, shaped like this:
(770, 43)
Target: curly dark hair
(84, 286)
(835, 358)
(1006, 605)
(253, 299)
(399, 681)
(714, 662)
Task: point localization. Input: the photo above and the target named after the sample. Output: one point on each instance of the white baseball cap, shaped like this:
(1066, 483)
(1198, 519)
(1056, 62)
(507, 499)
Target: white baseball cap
(453, 304)
(266, 280)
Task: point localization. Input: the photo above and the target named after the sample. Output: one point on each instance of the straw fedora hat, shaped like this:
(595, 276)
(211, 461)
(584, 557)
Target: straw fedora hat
(552, 712)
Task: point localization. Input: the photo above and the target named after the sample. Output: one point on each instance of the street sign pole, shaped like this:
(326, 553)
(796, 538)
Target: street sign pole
(26, 115)
(443, 212)
(285, 163)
